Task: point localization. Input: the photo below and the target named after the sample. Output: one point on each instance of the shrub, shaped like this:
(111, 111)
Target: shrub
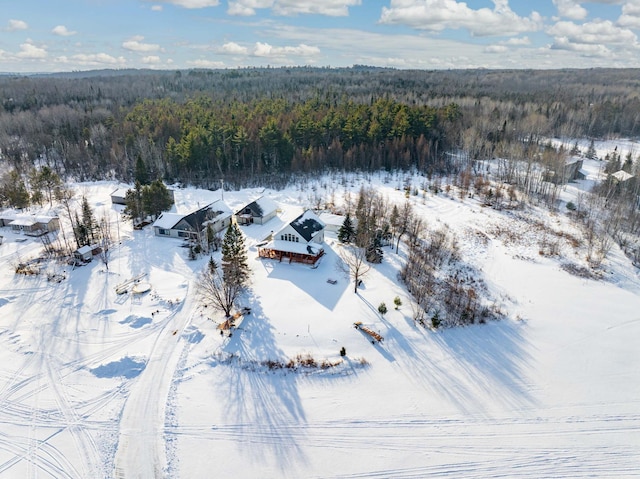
(571, 206)
(382, 309)
(435, 320)
(397, 301)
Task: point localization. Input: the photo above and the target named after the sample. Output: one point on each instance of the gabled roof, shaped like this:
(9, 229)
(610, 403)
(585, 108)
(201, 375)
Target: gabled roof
(120, 192)
(307, 225)
(167, 221)
(31, 220)
(622, 175)
(260, 207)
(198, 219)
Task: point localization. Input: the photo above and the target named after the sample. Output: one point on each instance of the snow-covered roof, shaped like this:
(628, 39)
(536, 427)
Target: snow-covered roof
(84, 250)
(167, 220)
(622, 175)
(30, 220)
(331, 219)
(260, 207)
(293, 247)
(307, 225)
(120, 192)
(214, 212)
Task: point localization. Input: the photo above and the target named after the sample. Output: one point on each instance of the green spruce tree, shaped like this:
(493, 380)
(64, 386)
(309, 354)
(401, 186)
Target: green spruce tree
(347, 233)
(235, 265)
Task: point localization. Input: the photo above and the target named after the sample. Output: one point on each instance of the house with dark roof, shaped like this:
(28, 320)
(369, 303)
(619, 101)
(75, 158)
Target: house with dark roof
(259, 212)
(300, 241)
(193, 225)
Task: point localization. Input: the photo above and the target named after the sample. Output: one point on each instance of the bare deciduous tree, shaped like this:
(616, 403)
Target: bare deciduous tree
(213, 290)
(353, 263)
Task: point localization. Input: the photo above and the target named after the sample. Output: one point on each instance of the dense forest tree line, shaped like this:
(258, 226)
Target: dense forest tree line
(245, 125)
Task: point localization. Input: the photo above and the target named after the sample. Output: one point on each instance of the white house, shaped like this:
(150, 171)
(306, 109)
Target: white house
(259, 212)
(300, 241)
(35, 225)
(193, 225)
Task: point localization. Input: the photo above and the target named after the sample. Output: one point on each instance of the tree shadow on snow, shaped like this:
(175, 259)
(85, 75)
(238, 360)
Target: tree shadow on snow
(469, 365)
(264, 402)
(313, 281)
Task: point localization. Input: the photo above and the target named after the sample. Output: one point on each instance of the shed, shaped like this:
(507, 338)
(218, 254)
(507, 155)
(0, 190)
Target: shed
(84, 253)
(118, 197)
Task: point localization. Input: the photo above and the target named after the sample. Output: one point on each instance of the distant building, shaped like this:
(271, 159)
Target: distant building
(118, 197)
(333, 222)
(259, 212)
(193, 225)
(300, 241)
(571, 171)
(35, 225)
(621, 176)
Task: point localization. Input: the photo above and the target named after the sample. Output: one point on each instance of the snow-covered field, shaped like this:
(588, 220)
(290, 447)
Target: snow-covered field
(93, 384)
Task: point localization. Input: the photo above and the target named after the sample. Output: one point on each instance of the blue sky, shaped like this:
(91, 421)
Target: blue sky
(65, 35)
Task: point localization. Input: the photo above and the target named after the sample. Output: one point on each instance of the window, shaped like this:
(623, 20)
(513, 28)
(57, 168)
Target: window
(289, 237)
(183, 234)
(163, 232)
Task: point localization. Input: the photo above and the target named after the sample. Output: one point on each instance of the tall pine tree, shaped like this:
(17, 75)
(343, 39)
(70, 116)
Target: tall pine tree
(235, 264)
(346, 233)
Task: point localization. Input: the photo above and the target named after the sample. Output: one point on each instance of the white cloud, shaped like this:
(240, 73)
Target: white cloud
(201, 63)
(598, 32)
(135, 45)
(333, 8)
(92, 59)
(232, 48)
(151, 60)
(630, 15)
(30, 51)
(586, 49)
(193, 3)
(62, 31)
(496, 49)
(518, 41)
(156, 8)
(15, 25)
(438, 15)
(269, 51)
(247, 8)
(570, 9)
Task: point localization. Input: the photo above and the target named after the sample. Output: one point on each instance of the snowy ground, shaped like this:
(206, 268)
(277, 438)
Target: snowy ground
(93, 384)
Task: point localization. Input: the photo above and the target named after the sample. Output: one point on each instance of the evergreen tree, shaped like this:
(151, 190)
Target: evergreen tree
(46, 179)
(14, 190)
(591, 151)
(141, 174)
(374, 249)
(133, 201)
(155, 199)
(81, 233)
(347, 233)
(88, 220)
(235, 265)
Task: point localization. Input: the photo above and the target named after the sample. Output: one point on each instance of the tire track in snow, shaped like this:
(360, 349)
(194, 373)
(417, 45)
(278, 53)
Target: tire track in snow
(141, 452)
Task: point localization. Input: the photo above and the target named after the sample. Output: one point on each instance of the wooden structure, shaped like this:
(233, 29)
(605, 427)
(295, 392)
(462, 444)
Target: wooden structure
(300, 241)
(291, 252)
(375, 336)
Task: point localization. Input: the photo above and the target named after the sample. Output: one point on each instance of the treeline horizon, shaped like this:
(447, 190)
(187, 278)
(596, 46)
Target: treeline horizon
(245, 125)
